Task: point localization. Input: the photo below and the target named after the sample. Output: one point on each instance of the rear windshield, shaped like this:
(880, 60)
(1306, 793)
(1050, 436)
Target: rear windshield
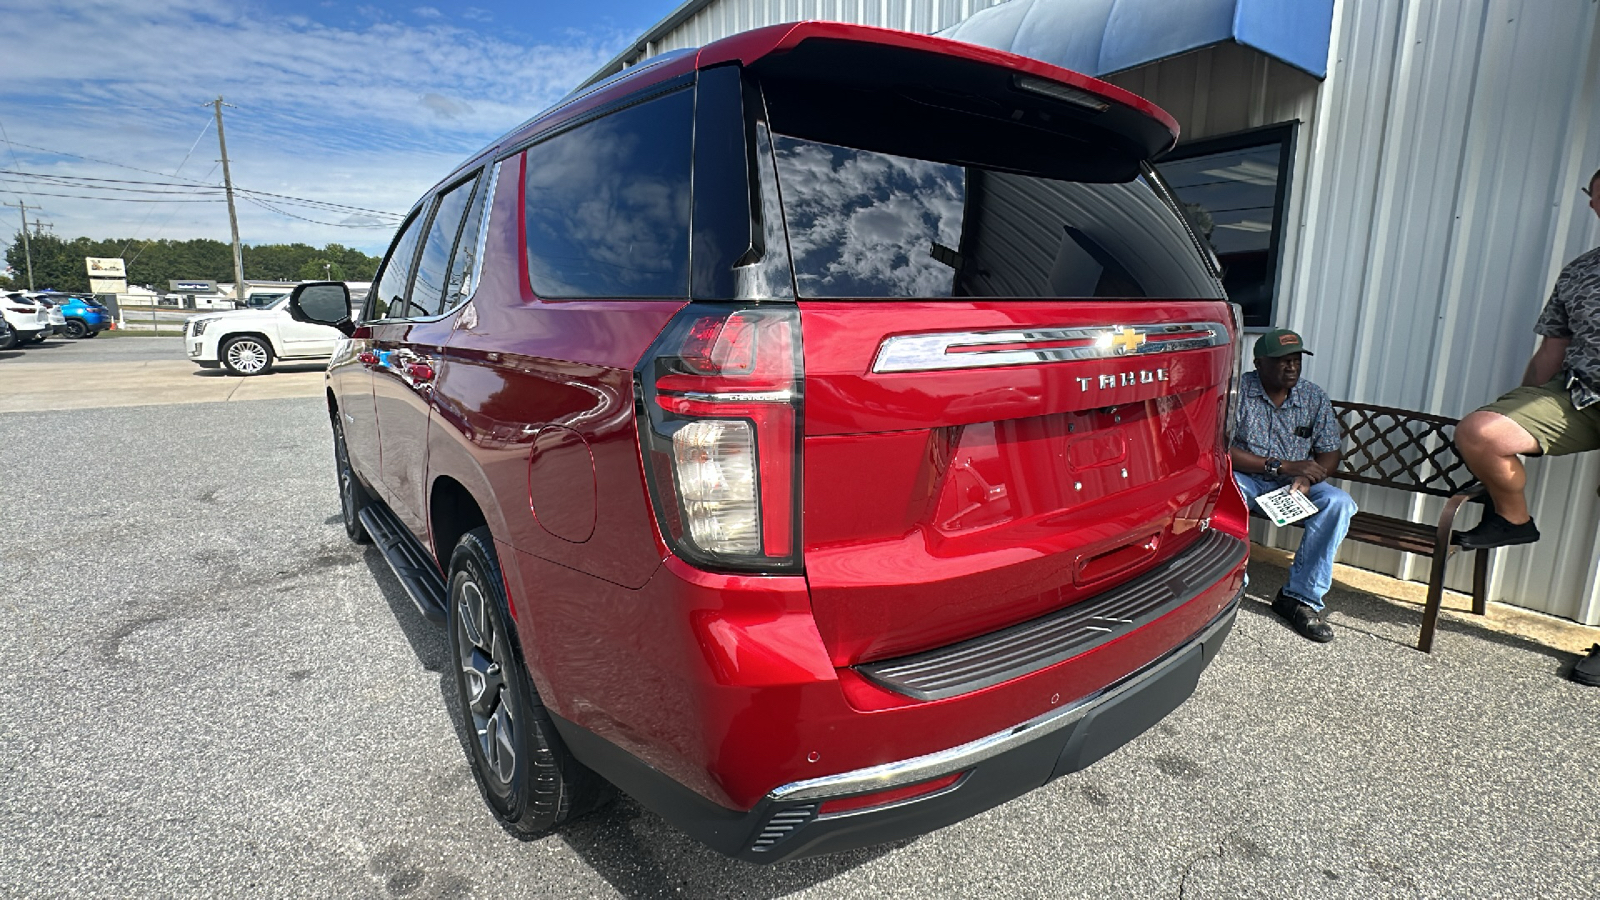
(867, 224)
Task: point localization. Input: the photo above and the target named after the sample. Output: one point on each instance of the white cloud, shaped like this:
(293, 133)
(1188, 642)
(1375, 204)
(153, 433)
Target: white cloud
(367, 113)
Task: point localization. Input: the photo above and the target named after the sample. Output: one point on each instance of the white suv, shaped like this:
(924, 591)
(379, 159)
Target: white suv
(246, 341)
(29, 321)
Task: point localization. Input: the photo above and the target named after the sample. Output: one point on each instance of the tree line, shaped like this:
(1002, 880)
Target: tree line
(59, 263)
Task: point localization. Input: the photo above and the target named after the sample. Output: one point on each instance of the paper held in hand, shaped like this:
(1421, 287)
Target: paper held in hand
(1285, 505)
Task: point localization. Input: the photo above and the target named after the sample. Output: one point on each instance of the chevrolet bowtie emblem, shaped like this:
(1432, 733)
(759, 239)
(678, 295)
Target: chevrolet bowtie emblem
(1125, 340)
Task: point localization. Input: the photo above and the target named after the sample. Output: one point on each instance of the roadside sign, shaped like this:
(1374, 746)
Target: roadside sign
(107, 275)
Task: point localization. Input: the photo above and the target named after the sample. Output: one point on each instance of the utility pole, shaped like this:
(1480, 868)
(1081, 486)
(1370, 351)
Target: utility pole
(27, 251)
(233, 217)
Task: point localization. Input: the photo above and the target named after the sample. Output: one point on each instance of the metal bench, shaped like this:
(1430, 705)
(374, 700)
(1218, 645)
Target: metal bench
(1415, 453)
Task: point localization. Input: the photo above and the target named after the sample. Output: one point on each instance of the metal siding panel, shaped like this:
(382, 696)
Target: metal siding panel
(1429, 226)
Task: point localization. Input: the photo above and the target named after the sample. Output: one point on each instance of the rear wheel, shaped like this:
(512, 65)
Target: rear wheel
(247, 355)
(353, 496)
(526, 774)
(76, 329)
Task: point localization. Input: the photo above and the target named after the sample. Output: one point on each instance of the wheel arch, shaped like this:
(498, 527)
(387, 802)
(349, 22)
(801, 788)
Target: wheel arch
(452, 512)
(224, 339)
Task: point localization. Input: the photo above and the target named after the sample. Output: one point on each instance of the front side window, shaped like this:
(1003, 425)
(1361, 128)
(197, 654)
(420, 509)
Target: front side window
(866, 224)
(607, 204)
(388, 296)
(1233, 189)
(433, 275)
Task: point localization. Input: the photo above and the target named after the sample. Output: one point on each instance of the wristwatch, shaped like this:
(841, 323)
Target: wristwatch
(1273, 466)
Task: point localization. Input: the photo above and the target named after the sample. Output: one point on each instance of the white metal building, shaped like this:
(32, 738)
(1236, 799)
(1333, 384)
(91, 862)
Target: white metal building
(1419, 163)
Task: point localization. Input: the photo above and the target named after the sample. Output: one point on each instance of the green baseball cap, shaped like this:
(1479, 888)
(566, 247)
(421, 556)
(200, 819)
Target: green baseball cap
(1280, 342)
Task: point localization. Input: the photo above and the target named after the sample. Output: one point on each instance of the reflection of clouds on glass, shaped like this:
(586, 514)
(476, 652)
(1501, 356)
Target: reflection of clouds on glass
(862, 223)
(608, 210)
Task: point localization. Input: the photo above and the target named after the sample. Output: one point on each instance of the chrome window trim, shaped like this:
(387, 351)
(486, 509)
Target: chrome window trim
(933, 352)
(483, 236)
(477, 260)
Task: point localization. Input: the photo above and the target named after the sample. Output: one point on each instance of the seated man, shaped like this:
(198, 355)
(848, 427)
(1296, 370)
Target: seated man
(1287, 435)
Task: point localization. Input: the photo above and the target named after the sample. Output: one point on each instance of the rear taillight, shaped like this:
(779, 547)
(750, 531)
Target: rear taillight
(1236, 378)
(720, 411)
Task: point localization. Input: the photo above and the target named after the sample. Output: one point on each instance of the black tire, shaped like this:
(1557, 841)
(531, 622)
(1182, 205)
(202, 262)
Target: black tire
(76, 329)
(353, 495)
(8, 339)
(92, 334)
(524, 770)
(246, 355)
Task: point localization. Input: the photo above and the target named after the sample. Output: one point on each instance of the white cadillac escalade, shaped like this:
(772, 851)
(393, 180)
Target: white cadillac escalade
(249, 341)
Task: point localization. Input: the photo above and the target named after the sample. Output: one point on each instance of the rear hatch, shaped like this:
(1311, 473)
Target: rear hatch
(1016, 359)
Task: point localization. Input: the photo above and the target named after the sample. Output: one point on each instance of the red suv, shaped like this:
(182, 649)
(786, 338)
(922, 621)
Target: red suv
(820, 436)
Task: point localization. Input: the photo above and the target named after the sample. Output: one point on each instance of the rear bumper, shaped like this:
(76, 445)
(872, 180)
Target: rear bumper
(790, 821)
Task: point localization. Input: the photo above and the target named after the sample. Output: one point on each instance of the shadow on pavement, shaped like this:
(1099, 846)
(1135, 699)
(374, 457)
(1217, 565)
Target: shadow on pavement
(640, 855)
(635, 850)
(220, 372)
(1394, 621)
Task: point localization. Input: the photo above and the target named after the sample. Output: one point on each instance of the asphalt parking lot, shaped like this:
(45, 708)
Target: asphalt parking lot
(210, 692)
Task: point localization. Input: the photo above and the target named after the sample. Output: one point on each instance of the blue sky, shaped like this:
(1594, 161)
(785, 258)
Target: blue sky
(359, 104)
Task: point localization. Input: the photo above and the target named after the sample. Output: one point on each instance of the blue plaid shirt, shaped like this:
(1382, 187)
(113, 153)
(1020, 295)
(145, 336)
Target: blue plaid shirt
(1302, 427)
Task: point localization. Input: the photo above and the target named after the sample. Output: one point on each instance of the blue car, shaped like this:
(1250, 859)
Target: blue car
(85, 317)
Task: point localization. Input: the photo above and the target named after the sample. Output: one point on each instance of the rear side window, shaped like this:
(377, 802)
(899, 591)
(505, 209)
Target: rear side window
(875, 225)
(607, 204)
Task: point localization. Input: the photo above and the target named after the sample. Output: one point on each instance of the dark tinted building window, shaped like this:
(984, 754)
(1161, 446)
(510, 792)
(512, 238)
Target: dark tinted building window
(867, 224)
(389, 294)
(608, 204)
(427, 292)
(1233, 189)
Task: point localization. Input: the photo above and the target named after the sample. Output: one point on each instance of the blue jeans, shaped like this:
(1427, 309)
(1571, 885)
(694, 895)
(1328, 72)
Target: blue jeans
(1311, 573)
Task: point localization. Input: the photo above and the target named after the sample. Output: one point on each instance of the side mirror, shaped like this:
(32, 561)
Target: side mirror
(323, 303)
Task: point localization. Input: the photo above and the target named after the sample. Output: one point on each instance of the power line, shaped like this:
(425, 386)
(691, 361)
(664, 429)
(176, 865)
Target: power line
(112, 199)
(70, 180)
(104, 162)
(331, 206)
(204, 127)
(265, 205)
(53, 181)
(163, 225)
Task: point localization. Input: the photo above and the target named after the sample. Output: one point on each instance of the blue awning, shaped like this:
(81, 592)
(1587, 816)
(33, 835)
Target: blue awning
(1099, 37)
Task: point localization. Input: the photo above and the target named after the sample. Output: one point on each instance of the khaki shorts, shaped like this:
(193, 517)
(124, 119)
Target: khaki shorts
(1547, 413)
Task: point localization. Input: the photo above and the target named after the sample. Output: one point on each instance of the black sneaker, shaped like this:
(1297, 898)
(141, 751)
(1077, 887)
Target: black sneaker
(1495, 531)
(1305, 620)
(1587, 670)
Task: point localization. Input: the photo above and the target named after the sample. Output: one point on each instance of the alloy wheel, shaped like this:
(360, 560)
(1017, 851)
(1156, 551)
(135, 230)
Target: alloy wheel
(247, 356)
(483, 655)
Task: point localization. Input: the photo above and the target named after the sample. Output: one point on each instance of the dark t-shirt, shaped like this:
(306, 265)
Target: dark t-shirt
(1573, 311)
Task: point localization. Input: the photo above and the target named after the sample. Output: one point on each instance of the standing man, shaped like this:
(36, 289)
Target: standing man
(1287, 435)
(1556, 411)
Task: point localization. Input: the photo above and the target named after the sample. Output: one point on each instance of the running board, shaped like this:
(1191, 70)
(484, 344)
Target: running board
(408, 559)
